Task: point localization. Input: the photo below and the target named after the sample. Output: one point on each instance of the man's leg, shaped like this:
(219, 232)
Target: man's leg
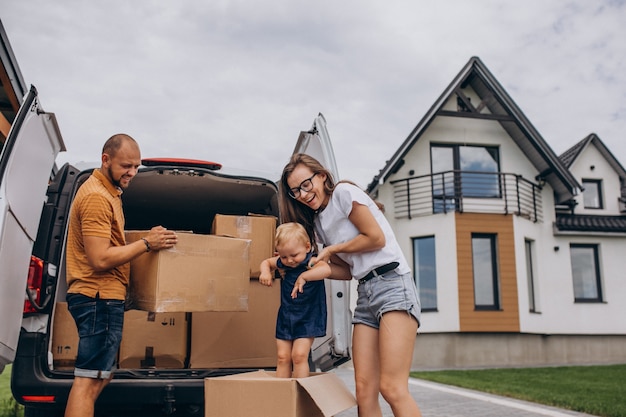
(83, 395)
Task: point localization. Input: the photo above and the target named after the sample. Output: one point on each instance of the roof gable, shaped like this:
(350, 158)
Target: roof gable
(495, 105)
(571, 155)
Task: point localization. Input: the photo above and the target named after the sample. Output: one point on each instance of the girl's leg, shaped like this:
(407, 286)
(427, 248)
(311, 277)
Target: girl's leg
(366, 370)
(283, 366)
(397, 339)
(300, 357)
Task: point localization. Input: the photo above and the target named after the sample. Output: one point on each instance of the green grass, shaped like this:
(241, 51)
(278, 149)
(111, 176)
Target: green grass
(8, 406)
(596, 390)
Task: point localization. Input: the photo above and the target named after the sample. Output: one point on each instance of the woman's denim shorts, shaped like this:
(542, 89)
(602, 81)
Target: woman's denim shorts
(99, 324)
(385, 293)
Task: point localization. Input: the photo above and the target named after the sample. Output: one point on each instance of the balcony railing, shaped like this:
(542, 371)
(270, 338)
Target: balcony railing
(467, 191)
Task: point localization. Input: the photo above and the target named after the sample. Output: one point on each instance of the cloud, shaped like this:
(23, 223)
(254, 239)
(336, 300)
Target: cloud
(225, 81)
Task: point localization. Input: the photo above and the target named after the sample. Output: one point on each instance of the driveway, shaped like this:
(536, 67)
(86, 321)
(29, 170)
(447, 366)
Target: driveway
(438, 400)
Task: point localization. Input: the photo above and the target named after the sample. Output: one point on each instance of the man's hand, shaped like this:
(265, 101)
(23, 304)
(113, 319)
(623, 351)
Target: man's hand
(160, 238)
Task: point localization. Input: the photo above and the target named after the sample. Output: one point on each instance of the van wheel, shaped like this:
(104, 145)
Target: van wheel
(42, 412)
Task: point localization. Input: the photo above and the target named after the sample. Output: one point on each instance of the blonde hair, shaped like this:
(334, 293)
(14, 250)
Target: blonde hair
(291, 231)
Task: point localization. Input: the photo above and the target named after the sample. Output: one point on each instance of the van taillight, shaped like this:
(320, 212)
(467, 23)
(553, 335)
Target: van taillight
(39, 398)
(33, 286)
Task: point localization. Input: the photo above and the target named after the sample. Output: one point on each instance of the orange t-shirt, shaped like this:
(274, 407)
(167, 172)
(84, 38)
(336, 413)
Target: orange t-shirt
(96, 211)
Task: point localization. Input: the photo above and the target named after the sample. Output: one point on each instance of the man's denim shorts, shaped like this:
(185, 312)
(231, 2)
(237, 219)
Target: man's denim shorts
(99, 324)
(385, 293)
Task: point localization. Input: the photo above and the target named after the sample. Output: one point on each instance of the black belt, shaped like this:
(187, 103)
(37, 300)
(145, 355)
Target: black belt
(379, 271)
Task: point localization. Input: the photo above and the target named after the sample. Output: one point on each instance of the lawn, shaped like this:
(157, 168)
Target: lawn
(8, 406)
(596, 390)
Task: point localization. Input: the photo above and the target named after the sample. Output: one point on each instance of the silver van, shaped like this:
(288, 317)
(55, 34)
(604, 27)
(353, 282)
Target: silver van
(35, 197)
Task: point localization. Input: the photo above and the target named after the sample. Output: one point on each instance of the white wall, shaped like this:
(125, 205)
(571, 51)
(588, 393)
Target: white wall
(581, 168)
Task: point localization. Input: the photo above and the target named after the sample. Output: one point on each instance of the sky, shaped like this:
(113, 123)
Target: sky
(235, 81)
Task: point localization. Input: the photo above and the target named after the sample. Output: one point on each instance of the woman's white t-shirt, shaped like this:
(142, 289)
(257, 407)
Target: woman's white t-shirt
(333, 226)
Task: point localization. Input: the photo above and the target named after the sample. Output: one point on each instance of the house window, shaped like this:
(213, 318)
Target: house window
(529, 246)
(586, 273)
(463, 171)
(485, 269)
(425, 267)
(592, 195)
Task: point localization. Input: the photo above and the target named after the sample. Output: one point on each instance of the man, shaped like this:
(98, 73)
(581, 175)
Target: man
(98, 267)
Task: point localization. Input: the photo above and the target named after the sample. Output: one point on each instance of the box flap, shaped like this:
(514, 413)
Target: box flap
(328, 392)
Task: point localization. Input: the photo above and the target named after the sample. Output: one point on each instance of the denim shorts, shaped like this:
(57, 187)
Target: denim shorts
(99, 324)
(384, 293)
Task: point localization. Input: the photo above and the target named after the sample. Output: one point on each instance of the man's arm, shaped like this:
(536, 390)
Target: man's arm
(102, 256)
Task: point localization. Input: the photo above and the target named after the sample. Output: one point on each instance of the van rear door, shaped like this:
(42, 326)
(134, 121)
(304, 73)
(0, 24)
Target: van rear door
(26, 164)
(333, 349)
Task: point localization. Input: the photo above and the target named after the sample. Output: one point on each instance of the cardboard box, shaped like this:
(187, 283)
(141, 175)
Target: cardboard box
(261, 394)
(239, 339)
(64, 338)
(153, 340)
(261, 230)
(200, 273)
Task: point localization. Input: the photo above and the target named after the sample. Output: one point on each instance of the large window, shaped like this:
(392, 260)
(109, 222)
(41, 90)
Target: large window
(586, 273)
(531, 273)
(425, 268)
(485, 269)
(592, 195)
(463, 171)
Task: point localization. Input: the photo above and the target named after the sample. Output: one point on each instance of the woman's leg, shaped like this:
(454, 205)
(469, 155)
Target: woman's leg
(397, 335)
(283, 352)
(366, 370)
(300, 357)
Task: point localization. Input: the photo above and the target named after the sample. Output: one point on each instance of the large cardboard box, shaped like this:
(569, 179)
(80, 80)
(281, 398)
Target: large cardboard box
(261, 394)
(200, 273)
(238, 339)
(64, 338)
(153, 340)
(261, 230)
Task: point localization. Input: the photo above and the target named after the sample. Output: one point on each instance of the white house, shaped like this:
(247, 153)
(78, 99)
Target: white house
(519, 255)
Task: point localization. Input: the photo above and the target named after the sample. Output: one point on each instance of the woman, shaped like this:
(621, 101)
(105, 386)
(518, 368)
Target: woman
(358, 242)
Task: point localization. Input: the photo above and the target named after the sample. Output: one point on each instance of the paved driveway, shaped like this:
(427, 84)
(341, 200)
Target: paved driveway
(438, 400)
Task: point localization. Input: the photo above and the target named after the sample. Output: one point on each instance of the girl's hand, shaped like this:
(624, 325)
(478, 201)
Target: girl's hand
(265, 279)
(298, 287)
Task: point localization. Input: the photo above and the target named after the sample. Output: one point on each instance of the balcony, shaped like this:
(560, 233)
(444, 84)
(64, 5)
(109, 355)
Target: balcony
(467, 191)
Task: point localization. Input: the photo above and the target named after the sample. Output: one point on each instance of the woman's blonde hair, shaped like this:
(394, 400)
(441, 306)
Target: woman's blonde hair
(291, 231)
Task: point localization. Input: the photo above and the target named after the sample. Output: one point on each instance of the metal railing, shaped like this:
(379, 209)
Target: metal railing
(467, 191)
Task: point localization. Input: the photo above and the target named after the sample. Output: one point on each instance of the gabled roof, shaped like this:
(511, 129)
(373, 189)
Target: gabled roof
(569, 156)
(501, 109)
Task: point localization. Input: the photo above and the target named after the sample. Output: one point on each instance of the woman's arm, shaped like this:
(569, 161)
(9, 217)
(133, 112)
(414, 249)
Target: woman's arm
(318, 272)
(370, 237)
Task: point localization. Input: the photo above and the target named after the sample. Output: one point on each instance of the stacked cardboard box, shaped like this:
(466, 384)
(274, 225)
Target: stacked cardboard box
(64, 338)
(153, 340)
(238, 339)
(259, 229)
(200, 273)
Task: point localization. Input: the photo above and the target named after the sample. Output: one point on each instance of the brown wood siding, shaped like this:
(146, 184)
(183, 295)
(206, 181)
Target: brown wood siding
(507, 318)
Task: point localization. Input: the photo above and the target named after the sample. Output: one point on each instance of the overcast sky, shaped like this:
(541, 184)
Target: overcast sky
(235, 81)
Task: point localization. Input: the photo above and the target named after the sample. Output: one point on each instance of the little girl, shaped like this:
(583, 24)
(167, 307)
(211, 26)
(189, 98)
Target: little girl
(303, 318)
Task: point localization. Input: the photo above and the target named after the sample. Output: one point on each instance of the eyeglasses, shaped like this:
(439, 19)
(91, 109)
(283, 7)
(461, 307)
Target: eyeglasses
(306, 186)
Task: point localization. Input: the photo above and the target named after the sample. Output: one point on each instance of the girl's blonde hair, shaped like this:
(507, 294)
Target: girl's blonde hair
(291, 231)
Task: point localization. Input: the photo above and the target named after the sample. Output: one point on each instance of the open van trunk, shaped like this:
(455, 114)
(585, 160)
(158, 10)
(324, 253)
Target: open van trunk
(188, 199)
